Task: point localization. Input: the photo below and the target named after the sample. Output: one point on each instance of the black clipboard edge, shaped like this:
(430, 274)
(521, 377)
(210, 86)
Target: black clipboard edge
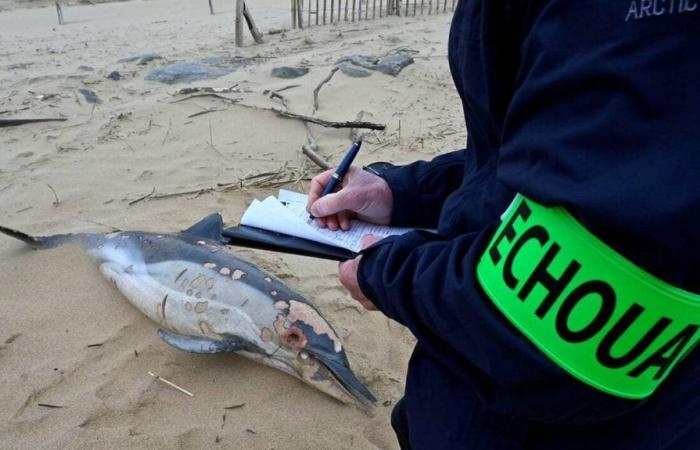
(251, 237)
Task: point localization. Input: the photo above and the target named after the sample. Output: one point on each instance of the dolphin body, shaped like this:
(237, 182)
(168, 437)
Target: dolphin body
(208, 301)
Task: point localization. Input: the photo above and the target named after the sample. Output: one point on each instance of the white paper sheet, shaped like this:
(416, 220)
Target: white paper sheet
(291, 218)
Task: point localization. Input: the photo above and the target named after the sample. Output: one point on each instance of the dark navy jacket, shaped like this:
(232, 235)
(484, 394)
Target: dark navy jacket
(591, 104)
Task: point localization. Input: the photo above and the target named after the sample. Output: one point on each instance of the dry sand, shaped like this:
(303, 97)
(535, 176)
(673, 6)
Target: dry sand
(54, 304)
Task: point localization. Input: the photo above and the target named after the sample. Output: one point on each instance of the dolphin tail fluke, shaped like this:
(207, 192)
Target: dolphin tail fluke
(35, 242)
(38, 242)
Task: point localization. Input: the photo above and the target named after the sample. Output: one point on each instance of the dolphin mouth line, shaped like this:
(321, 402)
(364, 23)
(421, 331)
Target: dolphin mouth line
(363, 399)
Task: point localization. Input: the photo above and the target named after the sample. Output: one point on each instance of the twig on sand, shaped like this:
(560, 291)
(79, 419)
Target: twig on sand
(171, 384)
(291, 115)
(315, 157)
(57, 201)
(232, 101)
(48, 405)
(133, 202)
(201, 113)
(195, 90)
(16, 122)
(320, 85)
(325, 123)
(240, 405)
(167, 132)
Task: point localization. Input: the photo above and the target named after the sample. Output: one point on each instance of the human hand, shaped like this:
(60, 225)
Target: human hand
(347, 272)
(363, 195)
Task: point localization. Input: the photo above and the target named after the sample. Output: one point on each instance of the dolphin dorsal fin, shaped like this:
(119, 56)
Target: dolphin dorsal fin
(208, 228)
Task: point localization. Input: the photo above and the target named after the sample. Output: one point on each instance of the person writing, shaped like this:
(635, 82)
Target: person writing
(557, 306)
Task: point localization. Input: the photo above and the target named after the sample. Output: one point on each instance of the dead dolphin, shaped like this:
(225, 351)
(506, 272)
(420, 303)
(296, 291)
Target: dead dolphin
(208, 301)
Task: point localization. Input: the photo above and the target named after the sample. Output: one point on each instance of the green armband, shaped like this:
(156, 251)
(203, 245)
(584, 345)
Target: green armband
(594, 313)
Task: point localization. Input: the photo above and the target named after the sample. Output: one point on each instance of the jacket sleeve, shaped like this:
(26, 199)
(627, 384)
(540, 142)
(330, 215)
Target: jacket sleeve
(420, 189)
(430, 287)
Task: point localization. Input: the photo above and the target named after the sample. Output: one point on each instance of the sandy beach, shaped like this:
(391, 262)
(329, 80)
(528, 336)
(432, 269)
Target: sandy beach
(143, 158)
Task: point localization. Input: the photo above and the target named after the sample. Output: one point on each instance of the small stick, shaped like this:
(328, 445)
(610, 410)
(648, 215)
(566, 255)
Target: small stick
(57, 201)
(167, 132)
(171, 384)
(201, 113)
(15, 122)
(320, 85)
(257, 36)
(232, 101)
(211, 8)
(240, 405)
(315, 157)
(47, 405)
(133, 202)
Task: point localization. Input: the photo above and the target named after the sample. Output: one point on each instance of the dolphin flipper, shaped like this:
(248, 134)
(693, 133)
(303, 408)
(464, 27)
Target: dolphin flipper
(203, 345)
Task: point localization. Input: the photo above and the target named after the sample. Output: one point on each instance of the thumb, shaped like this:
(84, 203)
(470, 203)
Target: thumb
(334, 203)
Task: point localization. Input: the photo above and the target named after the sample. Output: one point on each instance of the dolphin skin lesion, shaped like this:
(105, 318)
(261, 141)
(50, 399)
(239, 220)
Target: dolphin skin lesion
(192, 287)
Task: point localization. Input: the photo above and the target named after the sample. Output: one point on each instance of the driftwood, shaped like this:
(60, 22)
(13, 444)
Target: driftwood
(291, 115)
(320, 85)
(327, 123)
(16, 122)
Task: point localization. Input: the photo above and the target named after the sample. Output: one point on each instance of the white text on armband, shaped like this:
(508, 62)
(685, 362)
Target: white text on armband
(643, 9)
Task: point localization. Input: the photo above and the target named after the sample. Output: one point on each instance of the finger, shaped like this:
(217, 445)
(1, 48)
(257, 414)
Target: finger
(318, 184)
(321, 221)
(344, 220)
(349, 199)
(332, 222)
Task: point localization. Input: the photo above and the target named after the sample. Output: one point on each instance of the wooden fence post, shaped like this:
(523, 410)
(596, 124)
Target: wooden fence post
(239, 23)
(59, 12)
(211, 8)
(257, 35)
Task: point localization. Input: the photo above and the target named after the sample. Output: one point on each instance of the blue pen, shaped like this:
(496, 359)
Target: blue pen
(342, 169)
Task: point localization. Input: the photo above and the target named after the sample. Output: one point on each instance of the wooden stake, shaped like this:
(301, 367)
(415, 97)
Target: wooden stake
(374, 9)
(59, 12)
(406, 11)
(422, 2)
(324, 11)
(453, 5)
(239, 23)
(444, 6)
(211, 8)
(415, 3)
(171, 384)
(294, 13)
(300, 14)
(308, 14)
(332, 10)
(257, 35)
(346, 9)
(353, 10)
